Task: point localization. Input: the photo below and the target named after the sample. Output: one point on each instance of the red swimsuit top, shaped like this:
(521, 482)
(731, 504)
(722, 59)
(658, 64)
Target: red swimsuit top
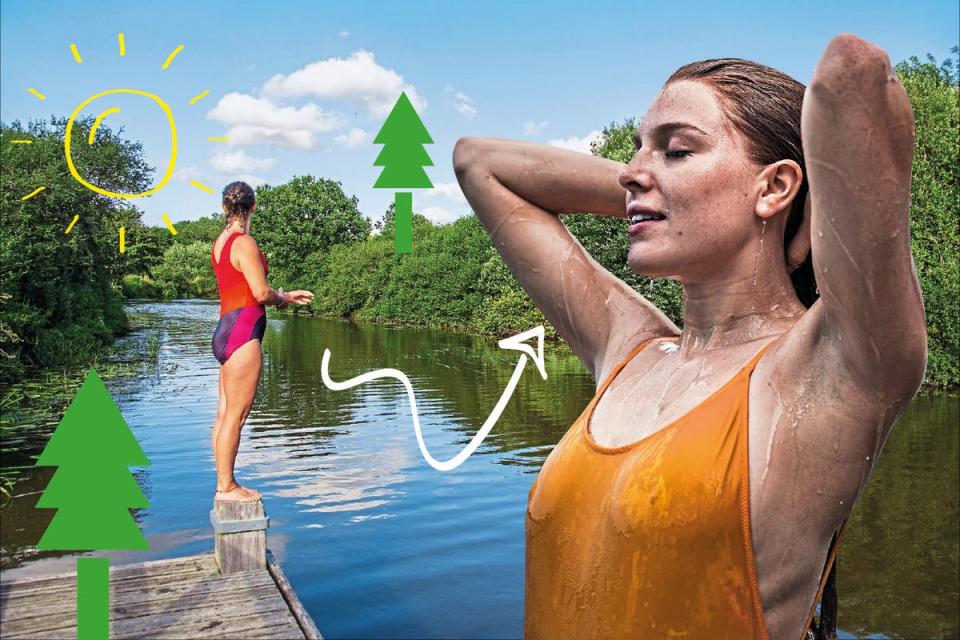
(234, 289)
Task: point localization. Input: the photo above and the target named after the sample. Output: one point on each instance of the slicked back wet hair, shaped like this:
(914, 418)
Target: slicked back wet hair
(764, 105)
(238, 199)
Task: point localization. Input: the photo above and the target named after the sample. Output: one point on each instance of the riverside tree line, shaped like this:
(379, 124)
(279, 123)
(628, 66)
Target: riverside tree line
(61, 294)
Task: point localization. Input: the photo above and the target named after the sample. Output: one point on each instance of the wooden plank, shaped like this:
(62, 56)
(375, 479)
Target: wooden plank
(290, 595)
(249, 602)
(157, 568)
(277, 624)
(170, 598)
(17, 604)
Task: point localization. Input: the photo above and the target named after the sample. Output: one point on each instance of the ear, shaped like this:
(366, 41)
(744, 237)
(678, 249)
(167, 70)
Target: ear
(799, 247)
(779, 183)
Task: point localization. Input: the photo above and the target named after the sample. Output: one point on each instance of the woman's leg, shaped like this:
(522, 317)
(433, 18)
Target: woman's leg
(221, 407)
(240, 375)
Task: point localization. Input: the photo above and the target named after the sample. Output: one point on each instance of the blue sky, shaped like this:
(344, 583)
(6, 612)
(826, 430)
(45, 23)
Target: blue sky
(302, 87)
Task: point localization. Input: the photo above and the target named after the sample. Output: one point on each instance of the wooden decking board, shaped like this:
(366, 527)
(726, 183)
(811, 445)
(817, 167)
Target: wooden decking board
(50, 608)
(170, 598)
(53, 618)
(155, 569)
(127, 591)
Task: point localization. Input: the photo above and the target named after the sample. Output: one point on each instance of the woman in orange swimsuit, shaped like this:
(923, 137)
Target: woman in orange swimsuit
(241, 270)
(700, 493)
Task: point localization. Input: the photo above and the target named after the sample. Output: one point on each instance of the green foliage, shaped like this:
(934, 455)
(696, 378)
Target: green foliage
(60, 304)
(204, 229)
(935, 207)
(437, 284)
(186, 272)
(301, 217)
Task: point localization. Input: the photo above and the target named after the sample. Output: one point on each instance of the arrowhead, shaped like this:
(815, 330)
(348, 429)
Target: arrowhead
(518, 343)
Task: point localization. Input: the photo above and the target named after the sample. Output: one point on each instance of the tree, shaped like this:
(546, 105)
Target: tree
(205, 229)
(62, 304)
(934, 91)
(93, 492)
(301, 217)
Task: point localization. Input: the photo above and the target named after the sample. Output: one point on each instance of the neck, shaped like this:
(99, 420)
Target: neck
(237, 226)
(754, 300)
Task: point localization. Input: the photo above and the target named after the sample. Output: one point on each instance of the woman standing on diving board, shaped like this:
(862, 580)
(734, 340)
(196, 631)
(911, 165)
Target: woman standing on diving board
(700, 493)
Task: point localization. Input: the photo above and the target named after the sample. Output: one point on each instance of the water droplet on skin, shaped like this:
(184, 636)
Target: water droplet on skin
(819, 234)
(868, 457)
(841, 502)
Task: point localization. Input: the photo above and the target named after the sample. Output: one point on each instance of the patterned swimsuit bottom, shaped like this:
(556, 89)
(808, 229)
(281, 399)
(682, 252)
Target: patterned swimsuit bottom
(237, 328)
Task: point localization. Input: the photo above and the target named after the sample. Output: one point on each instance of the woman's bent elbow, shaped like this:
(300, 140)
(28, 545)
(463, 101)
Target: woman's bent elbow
(465, 154)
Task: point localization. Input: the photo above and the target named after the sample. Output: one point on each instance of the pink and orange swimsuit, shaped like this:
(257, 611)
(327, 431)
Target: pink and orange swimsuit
(242, 318)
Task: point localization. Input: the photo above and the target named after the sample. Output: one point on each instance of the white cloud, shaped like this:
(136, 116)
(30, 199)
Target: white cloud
(450, 190)
(531, 128)
(261, 121)
(237, 161)
(253, 181)
(187, 174)
(276, 137)
(344, 34)
(357, 80)
(438, 215)
(460, 101)
(354, 138)
(577, 144)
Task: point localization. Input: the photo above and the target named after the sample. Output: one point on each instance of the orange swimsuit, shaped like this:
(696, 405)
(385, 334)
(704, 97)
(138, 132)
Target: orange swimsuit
(651, 539)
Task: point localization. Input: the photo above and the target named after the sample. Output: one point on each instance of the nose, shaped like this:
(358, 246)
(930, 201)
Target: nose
(635, 175)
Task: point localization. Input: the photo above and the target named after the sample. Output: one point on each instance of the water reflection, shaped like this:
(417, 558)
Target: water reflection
(378, 544)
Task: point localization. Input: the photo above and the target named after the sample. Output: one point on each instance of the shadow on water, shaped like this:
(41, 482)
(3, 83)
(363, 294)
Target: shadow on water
(378, 544)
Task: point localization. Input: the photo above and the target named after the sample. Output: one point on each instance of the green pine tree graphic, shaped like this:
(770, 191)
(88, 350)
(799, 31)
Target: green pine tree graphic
(93, 492)
(403, 158)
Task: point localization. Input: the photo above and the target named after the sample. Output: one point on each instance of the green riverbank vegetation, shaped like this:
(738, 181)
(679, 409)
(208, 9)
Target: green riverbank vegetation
(61, 294)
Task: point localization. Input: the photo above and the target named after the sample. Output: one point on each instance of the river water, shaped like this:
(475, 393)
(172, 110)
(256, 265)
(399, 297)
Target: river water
(379, 544)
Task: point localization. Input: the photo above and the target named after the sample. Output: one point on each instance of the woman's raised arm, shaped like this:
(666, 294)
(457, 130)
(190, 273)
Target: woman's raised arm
(858, 136)
(517, 189)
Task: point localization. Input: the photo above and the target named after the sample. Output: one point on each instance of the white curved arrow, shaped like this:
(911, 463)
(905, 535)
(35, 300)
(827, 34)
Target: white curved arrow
(514, 342)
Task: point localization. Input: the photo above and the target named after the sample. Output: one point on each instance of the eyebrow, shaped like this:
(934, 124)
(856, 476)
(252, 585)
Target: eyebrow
(665, 128)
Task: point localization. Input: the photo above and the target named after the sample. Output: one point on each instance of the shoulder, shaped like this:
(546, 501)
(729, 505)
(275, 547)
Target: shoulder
(245, 243)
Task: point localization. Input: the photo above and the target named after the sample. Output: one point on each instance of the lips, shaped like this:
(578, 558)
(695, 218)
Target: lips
(642, 218)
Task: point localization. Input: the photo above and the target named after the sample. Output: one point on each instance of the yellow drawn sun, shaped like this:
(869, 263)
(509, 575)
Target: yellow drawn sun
(165, 108)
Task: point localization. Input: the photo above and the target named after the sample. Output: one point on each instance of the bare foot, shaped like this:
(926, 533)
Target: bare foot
(237, 493)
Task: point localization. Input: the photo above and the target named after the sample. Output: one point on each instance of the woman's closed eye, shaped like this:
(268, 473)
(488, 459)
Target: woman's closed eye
(677, 153)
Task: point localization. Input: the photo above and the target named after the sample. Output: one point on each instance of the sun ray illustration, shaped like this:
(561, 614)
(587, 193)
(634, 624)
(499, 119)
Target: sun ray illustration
(38, 190)
(166, 221)
(98, 120)
(170, 58)
(200, 186)
(164, 107)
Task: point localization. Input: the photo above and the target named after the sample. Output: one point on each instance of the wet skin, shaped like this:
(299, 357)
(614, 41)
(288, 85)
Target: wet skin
(240, 374)
(823, 398)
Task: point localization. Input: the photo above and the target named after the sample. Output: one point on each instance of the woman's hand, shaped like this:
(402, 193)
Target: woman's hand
(300, 296)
